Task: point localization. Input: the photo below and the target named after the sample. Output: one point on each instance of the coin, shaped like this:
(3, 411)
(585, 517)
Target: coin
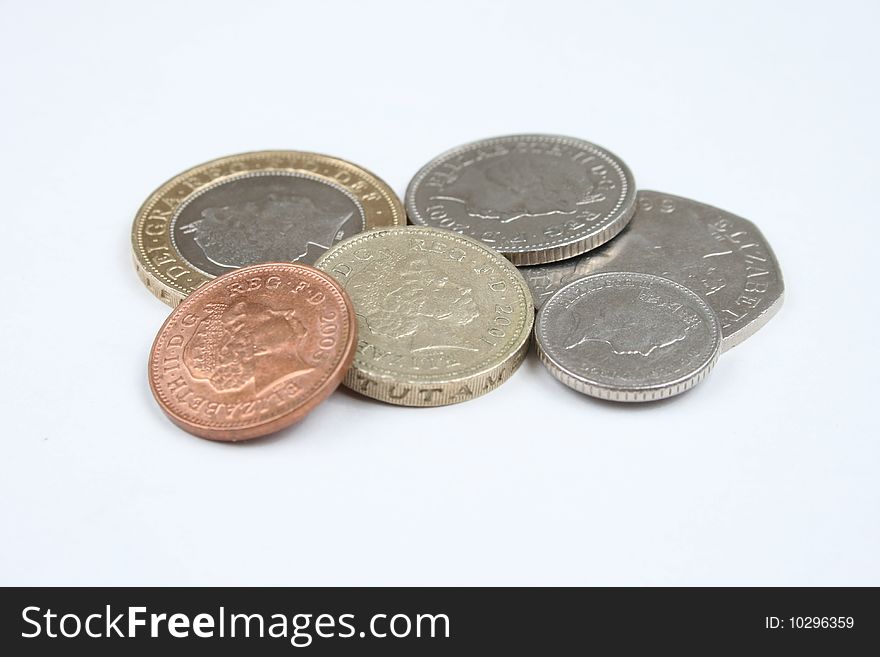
(253, 351)
(441, 318)
(534, 198)
(722, 257)
(267, 206)
(627, 337)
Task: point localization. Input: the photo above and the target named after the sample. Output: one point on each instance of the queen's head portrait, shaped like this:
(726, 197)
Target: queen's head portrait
(624, 329)
(518, 186)
(277, 228)
(408, 299)
(246, 344)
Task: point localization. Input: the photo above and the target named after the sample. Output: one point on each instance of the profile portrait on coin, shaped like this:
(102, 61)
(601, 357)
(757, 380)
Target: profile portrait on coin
(245, 344)
(277, 228)
(406, 298)
(628, 336)
(623, 329)
(518, 186)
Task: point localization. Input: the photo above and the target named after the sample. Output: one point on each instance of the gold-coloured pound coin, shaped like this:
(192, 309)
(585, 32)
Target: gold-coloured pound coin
(266, 206)
(441, 317)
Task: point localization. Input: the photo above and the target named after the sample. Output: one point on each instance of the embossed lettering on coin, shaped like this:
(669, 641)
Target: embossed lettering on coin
(441, 318)
(722, 257)
(627, 336)
(253, 351)
(534, 198)
(272, 206)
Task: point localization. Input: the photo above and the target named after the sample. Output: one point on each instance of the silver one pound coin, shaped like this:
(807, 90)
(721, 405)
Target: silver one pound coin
(722, 257)
(533, 198)
(627, 337)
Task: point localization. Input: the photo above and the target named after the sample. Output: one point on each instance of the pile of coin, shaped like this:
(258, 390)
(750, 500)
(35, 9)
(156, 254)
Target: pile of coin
(291, 272)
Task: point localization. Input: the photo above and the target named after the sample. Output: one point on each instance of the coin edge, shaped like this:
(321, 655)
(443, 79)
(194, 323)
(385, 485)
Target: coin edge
(639, 393)
(542, 254)
(173, 296)
(515, 357)
(322, 390)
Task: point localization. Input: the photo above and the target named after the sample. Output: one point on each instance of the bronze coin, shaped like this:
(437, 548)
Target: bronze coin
(253, 351)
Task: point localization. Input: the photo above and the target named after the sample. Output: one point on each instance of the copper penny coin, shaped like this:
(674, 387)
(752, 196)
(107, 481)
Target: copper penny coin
(253, 351)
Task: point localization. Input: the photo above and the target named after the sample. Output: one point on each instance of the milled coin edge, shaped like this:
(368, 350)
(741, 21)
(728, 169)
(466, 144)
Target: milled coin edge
(388, 391)
(382, 387)
(547, 252)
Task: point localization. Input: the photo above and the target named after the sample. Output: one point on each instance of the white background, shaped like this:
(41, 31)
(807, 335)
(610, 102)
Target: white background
(767, 473)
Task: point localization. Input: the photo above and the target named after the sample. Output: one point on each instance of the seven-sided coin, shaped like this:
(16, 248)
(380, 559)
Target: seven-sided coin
(722, 257)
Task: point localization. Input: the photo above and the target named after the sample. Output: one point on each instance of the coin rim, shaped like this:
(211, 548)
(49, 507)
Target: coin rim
(555, 250)
(635, 393)
(319, 391)
(476, 377)
(172, 293)
(262, 173)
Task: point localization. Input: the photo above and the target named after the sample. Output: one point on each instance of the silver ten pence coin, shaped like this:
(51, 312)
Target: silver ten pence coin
(533, 198)
(627, 337)
(722, 257)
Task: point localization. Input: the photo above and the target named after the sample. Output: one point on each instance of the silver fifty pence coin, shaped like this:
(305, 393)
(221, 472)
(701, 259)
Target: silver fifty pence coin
(627, 336)
(533, 198)
(722, 257)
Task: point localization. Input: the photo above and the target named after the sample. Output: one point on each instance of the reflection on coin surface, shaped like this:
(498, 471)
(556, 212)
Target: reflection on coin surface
(534, 198)
(627, 336)
(723, 258)
(270, 206)
(441, 318)
(253, 351)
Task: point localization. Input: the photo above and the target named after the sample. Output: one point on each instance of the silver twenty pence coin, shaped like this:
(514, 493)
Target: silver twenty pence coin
(722, 257)
(628, 337)
(533, 198)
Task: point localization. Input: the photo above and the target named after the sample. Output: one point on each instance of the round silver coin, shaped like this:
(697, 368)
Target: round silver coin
(627, 337)
(264, 217)
(533, 198)
(722, 257)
